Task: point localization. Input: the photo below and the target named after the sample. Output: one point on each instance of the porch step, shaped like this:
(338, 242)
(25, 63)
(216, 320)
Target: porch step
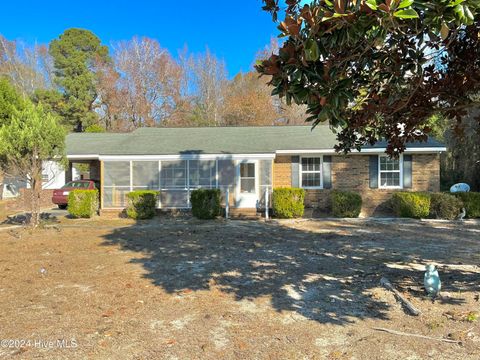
(236, 213)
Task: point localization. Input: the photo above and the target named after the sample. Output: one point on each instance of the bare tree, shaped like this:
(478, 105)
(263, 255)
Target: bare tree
(29, 68)
(207, 77)
(149, 82)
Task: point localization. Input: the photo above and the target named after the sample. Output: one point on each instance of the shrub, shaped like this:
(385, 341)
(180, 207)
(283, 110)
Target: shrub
(83, 203)
(346, 204)
(205, 203)
(141, 204)
(471, 201)
(411, 204)
(444, 206)
(287, 203)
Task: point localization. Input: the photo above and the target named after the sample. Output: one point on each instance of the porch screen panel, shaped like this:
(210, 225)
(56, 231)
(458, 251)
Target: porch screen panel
(145, 175)
(202, 174)
(226, 179)
(265, 179)
(116, 183)
(173, 184)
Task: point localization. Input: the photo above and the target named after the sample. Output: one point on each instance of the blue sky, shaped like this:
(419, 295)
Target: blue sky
(233, 30)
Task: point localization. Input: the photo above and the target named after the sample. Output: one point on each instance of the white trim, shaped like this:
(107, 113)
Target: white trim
(400, 173)
(364, 151)
(188, 157)
(244, 156)
(300, 172)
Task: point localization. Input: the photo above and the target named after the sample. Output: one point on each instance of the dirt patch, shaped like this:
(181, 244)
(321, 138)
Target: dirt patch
(187, 289)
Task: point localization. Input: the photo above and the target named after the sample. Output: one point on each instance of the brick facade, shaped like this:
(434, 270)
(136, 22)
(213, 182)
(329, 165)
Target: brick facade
(22, 202)
(282, 171)
(352, 173)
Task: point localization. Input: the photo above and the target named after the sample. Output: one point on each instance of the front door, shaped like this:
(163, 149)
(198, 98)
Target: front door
(247, 185)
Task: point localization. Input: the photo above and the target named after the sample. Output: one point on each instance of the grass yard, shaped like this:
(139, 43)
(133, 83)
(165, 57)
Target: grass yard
(178, 288)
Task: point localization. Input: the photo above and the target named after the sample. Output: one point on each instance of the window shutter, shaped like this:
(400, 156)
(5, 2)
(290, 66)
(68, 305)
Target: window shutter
(327, 172)
(373, 171)
(407, 171)
(295, 171)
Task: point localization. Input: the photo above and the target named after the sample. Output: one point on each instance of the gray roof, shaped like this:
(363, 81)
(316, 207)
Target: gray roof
(209, 140)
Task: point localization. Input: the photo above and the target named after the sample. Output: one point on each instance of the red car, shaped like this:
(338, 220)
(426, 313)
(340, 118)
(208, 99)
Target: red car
(60, 196)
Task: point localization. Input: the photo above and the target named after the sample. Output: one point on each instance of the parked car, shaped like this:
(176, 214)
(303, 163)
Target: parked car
(60, 196)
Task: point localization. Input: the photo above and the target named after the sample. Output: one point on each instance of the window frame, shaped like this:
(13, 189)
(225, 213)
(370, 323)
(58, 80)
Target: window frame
(301, 172)
(400, 173)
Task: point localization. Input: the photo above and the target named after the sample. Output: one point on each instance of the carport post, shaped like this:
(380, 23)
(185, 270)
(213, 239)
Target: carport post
(227, 201)
(266, 204)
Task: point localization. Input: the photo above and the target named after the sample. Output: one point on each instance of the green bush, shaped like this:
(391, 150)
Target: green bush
(471, 201)
(411, 204)
(83, 203)
(346, 204)
(141, 204)
(287, 203)
(444, 206)
(205, 203)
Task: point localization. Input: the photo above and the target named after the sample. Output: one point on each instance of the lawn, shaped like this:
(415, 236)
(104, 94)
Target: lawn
(179, 288)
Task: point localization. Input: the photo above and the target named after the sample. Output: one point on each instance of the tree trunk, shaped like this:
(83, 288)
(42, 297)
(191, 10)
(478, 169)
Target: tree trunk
(36, 187)
(2, 177)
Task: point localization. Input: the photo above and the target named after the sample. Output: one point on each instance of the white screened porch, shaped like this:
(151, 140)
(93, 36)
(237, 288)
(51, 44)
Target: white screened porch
(245, 178)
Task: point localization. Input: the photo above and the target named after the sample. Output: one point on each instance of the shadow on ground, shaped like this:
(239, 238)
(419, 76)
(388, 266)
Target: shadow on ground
(325, 273)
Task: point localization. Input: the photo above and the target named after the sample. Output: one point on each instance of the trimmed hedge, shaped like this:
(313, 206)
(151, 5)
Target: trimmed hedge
(206, 203)
(444, 206)
(287, 203)
(83, 203)
(347, 204)
(471, 201)
(411, 204)
(141, 204)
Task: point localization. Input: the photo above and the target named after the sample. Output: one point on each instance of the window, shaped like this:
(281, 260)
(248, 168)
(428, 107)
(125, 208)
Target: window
(247, 177)
(202, 173)
(45, 177)
(311, 172)
(174, 174)
(390, 172)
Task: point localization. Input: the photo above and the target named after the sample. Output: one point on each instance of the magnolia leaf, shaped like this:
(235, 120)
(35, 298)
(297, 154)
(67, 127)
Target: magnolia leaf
(372, 4)
(444, 31)
(405, 3)
(311, 50)
(406, 14)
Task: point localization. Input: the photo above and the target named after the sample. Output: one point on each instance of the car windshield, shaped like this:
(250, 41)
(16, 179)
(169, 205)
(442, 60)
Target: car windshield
(76, 184)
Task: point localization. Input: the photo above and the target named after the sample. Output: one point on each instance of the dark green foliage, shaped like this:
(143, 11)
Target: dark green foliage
(205, 203)
(338, 57)
(444, 206)
(141, 204)
(287, 203)
(346, 204)
(83, 203)
(411, 204)
(471, 201)
(76, 54)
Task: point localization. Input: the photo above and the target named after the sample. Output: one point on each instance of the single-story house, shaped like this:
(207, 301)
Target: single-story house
(248, 161)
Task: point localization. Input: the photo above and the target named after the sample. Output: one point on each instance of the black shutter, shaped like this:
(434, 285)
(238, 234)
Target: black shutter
(407, 171)
(327, 172)
(373, 171)
(295, 171)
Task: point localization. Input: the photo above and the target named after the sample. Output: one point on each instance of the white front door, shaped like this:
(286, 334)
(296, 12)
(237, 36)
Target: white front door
(247, 184)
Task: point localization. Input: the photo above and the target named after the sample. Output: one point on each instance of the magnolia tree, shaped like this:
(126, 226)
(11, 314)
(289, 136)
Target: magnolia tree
(32, 136)
(375, 69)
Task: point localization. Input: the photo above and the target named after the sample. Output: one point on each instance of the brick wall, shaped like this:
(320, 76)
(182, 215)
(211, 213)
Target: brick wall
(282, 171)
(352, 173)
(22, 202)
